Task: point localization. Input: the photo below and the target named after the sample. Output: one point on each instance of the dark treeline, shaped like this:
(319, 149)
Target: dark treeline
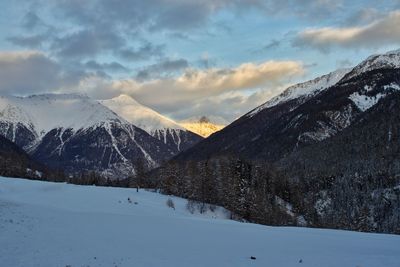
(259, 192)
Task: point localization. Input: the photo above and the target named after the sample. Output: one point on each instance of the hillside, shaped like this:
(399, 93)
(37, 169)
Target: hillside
(56, 224)
(16, 163)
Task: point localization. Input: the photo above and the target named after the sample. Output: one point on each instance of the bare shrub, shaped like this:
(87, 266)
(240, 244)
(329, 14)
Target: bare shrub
(170, 203)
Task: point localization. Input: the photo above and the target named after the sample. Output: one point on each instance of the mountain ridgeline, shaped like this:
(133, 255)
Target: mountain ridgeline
(77, 134)
(324, 153)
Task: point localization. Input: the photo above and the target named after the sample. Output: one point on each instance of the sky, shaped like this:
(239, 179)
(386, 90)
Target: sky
(186, 58)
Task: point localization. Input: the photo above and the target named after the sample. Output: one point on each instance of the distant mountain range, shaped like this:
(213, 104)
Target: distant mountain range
(76, 133)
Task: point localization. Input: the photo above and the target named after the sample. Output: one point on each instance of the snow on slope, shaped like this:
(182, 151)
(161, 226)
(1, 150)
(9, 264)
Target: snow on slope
(308, 88)
(49, 111)
(389, 60)
(50, 224)
(364, 102)
(204, 125)
(139, 115)
(157, 125)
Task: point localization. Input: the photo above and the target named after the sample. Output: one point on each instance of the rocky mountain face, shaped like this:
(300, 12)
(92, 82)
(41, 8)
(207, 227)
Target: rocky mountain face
(76, 133)
(164, 129)
(324, 156)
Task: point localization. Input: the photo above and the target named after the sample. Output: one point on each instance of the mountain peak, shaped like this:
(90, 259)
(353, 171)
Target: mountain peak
(204, 125)
(54, 96)
(123, 98)
(49, 111)
(307, 88)
(139, 115)
(388, 60)
(157, 125)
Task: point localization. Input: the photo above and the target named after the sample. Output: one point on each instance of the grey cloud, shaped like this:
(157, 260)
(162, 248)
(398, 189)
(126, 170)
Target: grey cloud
(32, 72)
(144, 52)
(180, 36)
(32, 41)
(87, 43)
(31, 20)
(272, 45)
(107, 26)
(164, 68)
(113, 66)
(307, 9)
(379, 33)
(363, 16)
(156, 15)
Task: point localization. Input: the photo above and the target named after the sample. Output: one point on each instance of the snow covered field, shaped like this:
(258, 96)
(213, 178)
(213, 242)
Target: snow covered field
(54, 224)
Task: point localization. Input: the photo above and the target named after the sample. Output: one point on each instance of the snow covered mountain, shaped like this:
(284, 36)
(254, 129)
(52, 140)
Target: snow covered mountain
(303, 90)
(204, 125)
(389, 60)
(335, 142)
(157, 125)
(76, 133)
(309, 112)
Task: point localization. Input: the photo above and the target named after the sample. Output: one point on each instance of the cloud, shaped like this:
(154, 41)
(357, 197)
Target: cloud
(87, 42)
(165, 67)
(112, 66)
(381, 32)
(229, 105)
(305, 9)
(144, 52)
(153, 14)
(195, 92)
(74, 29)
(171, 95)
(364, 16)
(31, 72)
(31, 41)
(31, 20)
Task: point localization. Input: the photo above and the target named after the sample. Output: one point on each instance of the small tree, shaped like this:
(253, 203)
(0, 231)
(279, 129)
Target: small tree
(140, 171)
(170, 203)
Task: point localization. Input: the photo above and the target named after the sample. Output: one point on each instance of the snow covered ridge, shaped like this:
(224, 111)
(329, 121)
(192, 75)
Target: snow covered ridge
(50, 111)
(55, 224)
(389, 60)
(140, 115)
(308, 88)
(155, 124)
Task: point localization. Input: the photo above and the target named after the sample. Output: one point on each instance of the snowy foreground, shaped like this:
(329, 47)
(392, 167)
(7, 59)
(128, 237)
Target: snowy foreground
(54, 224)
